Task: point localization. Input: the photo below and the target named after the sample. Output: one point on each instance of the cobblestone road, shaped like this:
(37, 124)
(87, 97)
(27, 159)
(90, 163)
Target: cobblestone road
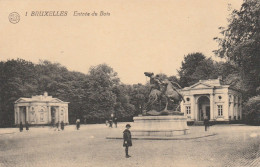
(235, 145)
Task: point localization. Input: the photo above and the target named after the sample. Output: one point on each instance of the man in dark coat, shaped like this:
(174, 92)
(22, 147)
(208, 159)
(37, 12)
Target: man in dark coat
(62, 125)
(58, 125)
(27, 125)
(127, 140)
(110, 123)
(21, 126)
(78, 124)
(206, 123)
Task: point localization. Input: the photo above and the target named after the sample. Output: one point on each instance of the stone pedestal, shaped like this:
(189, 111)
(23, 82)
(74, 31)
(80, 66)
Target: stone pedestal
(164, 126)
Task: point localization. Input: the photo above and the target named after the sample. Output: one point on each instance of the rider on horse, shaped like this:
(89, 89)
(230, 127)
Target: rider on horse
(155, 81)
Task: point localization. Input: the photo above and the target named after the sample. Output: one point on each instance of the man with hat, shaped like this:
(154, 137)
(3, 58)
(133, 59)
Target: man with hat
(127, 140)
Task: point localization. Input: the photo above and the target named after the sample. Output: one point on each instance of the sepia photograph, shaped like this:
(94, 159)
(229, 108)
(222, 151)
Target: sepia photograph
(134, 83)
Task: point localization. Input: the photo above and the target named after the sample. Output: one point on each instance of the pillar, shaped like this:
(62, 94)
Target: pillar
(212, 102)
(59, 113)
(49, 114)
(192, 107)
(226, 107)
(231, 106)
(15, 115)
(27, 114)
(18, 115)
(240, 108)
(67, 115)
(236, 102)
(195, 116)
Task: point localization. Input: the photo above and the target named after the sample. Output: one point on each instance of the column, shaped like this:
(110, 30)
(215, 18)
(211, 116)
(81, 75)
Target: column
(49, 114)
(212, 103)
(240, 111)
(18, 115)
(182, 109)
(231, 106)
(240, 107)
(192, 107)
(15, 115)
(195, 116)
(27, 114)
(67, 114)
(59, 113)
(226, 108)
(237, 109)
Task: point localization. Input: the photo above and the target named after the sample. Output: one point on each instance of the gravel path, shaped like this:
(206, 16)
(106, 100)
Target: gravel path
(234, 145)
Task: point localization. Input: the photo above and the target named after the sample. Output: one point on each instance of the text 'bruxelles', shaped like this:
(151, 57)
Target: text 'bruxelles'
(67, 13)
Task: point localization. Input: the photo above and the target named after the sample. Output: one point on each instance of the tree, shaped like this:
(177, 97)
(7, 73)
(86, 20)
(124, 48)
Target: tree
(252, 110)
(100, 97)
(123, 109)
(138, 96)
(206, 69)
(240, 43)
(190, 63)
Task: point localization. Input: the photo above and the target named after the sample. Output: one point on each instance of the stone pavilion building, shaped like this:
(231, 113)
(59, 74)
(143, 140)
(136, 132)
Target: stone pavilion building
(220, 103)
(40, 110)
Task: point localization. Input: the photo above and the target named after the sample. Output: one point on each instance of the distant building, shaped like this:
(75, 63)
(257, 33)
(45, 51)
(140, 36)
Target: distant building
(212, 99)
(41, 109)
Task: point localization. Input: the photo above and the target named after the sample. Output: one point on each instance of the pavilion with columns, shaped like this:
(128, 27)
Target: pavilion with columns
(212, 98)
(40, 110)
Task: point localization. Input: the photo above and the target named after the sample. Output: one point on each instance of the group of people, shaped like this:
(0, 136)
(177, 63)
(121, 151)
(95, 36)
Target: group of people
(60, 125)
(111, 121)
(21, 126)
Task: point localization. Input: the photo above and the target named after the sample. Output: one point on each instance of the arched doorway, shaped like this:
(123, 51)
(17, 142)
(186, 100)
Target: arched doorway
(203, 107)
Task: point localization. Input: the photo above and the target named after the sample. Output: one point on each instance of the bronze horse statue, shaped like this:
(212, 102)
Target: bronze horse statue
(165, 89)
(171, 93)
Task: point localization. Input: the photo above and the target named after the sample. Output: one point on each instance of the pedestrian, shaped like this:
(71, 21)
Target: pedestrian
(206, 123)
(78, 124)
(58, 126)
(115, 121)
(27, 126)
(62, 125)
(127, 140)
(106, 122)
(110, 123)
(21, 126)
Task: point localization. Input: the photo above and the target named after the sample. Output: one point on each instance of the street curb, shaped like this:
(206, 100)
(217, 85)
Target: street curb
(163, 138)
(7, 133)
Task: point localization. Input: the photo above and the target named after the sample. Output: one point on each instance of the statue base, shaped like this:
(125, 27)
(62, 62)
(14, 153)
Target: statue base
(163, 112)
(164, 126)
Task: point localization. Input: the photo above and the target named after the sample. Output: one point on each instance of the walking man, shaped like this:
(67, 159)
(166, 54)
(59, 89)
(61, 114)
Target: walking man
(78, 124)
(27, 126)
(62, 125)
(21, 126)
(127, 140)
(206, 123)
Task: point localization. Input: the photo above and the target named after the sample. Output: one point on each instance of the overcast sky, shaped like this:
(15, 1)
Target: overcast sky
(138, 36)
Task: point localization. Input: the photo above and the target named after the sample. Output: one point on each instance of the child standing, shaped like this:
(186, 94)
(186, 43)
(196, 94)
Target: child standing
(127, 140)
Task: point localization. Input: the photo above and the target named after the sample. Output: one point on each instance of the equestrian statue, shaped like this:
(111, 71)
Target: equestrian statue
(159, 90)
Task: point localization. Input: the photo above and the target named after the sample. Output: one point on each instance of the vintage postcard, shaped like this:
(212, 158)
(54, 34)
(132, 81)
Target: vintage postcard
(129, 83)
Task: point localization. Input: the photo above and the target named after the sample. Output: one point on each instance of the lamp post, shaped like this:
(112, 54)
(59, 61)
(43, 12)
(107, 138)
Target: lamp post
(140, 110)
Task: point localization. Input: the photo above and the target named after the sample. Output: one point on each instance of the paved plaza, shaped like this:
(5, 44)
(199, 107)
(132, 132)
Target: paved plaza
(233, 145)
